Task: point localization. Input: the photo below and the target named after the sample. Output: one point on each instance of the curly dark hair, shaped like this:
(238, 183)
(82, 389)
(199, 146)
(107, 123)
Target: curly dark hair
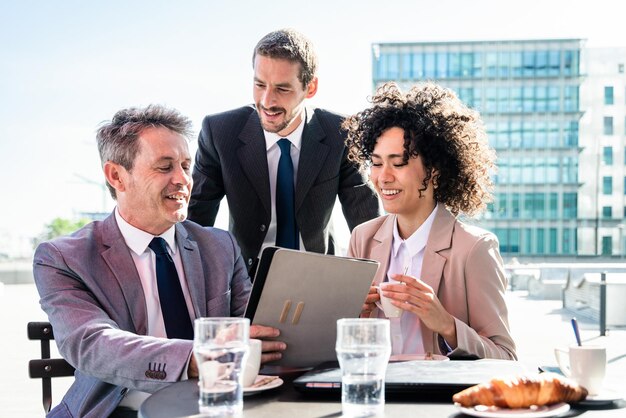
(449, 137)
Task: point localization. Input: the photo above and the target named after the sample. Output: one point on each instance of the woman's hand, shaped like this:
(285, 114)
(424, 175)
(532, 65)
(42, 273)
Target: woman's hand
(419, 298)
(370, 302)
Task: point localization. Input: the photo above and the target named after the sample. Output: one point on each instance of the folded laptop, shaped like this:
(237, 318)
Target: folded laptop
(426, 377)
(304, 294)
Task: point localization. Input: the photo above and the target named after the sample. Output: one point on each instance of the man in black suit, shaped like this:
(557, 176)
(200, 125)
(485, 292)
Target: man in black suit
(240, 155)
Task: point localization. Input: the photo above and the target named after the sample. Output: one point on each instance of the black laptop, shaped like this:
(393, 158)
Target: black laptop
(416, 377)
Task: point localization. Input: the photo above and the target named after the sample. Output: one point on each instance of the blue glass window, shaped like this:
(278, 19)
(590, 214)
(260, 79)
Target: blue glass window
(608, 125)
(554, 63)
(608, 95)
(527, 240)
(406, 66)
(570, 102)
(540, 234)
(528, 98)
(607, 211)
(541, 63)
(454, 65)
(541, 98)
(442, 65)
(552, 174)
(491, 100)
(417, 65)
(553, 201)
(571, 133)
(607, 185)
(607, 245)
(491, 64)
(554, 98)
(528, 63)
(516, 63)
(607, 155)
(504, 64)
(514, 240)
(503, 100)
(515, 205)
(553, 240)
(477, 65)
(466, 64)
(570, 205)
(429, 65)
(567, 241)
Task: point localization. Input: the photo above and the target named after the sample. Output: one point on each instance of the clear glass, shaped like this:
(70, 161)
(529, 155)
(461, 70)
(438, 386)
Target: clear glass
(363, 348)
(221, 348)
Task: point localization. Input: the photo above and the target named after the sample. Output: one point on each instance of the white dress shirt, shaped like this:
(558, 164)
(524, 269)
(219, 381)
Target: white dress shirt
(408, 255)
(145, 262)
(273, 156)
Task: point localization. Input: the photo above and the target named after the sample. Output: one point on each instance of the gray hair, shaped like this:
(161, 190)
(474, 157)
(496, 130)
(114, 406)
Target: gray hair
(118, 139)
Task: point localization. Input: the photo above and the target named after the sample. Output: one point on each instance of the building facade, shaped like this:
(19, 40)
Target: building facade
(602, 201)
(528, 93)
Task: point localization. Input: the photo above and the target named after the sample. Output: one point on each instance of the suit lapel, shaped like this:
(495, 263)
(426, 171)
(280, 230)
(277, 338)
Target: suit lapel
(192, 264)
(381, 249)
(253, 159)
(117, 256)
(312, 156)
(440, 238)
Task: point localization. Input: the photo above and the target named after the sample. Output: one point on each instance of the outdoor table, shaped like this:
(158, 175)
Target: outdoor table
(181, 400)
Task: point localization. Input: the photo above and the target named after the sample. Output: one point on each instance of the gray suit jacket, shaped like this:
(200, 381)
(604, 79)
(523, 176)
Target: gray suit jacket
(232, 161)
(92, 294)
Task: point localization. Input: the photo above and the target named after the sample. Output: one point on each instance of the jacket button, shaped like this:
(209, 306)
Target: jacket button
(249, 261)
(262, 228)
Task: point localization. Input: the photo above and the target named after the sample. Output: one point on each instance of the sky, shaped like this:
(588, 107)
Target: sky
(67, 66)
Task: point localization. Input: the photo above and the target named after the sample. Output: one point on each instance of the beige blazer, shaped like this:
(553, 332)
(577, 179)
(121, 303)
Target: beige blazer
(462, 264)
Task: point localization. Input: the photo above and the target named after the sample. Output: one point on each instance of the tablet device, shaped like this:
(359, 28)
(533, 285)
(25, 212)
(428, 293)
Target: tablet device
(304, 294)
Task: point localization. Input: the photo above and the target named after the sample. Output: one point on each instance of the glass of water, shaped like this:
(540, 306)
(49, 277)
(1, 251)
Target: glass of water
(221, 347)
(363, 348)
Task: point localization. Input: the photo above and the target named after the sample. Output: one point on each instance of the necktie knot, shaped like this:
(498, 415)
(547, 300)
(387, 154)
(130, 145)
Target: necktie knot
(158, 245)
(285, 146)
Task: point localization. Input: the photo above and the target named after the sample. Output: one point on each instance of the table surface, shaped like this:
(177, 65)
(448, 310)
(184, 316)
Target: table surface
(181, 400)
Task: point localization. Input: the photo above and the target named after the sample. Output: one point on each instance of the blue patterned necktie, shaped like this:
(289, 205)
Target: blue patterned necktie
(173, 306)
(287, 235)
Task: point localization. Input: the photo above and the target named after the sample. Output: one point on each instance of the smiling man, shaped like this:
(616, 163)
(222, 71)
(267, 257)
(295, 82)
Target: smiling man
(121, 294)
(280, 163)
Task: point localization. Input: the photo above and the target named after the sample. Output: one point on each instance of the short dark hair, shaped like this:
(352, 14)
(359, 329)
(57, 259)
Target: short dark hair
(448, 136)
(117, 139)
(290, 45)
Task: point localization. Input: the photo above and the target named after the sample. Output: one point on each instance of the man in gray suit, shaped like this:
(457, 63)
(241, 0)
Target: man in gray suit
(239, 156)
(102, 287)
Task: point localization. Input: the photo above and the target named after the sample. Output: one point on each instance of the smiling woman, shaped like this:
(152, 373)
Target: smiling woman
(429, 161)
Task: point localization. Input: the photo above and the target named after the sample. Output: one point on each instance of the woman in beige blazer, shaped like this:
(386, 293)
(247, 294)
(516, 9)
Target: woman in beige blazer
(429, 161)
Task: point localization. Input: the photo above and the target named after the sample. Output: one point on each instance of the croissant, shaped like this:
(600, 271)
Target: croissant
(522, 392)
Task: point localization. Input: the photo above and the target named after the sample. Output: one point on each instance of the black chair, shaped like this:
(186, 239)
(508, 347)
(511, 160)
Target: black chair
(46, 368)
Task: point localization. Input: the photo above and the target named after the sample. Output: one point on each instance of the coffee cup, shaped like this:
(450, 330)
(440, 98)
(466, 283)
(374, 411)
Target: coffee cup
(253, 363)
(213, 371)
(586, 364)
(390, 310)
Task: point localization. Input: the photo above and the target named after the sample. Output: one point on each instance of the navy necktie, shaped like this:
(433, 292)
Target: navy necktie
(287, 235)
(173, 306)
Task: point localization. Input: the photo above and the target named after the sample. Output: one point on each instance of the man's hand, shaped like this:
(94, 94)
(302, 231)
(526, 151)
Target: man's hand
(271, 349)
(192, 369)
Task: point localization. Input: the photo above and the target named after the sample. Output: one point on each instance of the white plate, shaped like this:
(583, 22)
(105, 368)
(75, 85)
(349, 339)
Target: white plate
(410, 357)
(604, 397)
(495, 412)
(269, 385)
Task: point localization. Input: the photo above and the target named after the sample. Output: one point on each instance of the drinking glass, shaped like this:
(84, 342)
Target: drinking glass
(363, 348)
(220, 348)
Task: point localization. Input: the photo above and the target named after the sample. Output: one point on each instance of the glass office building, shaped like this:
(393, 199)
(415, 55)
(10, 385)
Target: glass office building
(528, 95)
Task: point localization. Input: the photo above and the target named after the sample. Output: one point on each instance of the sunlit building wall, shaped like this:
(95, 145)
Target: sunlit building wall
(602, 196)
(528, 95)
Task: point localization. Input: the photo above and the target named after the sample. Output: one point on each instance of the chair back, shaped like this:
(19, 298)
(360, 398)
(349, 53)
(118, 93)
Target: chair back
(46, 368)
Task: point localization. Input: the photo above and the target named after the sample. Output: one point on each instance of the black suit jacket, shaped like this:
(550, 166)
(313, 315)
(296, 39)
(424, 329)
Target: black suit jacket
(232, 161)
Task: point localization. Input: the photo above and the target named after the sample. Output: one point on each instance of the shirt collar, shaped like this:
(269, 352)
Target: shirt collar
(295, 137)
(138, 240)
(418, 239)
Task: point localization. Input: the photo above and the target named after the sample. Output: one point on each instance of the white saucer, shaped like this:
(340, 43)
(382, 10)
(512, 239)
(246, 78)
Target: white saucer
(604, 397)
(495, 412)
(269, 385)
(418, 357)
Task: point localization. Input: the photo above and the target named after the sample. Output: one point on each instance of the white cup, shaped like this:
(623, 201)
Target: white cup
(390, 310)
(253, 363)
(586, 365)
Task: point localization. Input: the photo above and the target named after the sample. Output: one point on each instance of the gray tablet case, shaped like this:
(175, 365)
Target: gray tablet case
(303, 294)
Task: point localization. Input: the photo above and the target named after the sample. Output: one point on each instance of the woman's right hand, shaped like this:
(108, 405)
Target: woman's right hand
(370, 302)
